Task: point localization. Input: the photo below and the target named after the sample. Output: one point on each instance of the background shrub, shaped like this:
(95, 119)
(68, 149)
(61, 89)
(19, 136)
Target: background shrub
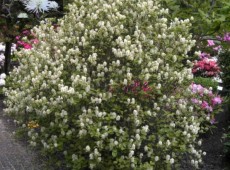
(206, 82)
(224, 62)
(210, 17)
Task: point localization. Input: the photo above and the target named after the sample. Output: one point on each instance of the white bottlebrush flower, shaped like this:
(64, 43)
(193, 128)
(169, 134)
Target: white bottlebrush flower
(74, 157)
(87, 148)
(156, 158)
(3, 76)
(167, 157)
(131, 153)
(2, 82)
(160, 143)
(168, 143)
(171, 161)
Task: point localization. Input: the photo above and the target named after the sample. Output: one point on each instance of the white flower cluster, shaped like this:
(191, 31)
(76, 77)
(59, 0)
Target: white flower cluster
(38, 6)
(2, 56)
(2, 79)
(79, 84)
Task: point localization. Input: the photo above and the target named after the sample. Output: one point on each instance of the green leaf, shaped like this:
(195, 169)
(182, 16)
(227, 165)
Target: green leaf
(114, 153)
(203, 15)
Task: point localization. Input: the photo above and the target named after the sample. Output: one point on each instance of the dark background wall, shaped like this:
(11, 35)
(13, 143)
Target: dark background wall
(60, 2)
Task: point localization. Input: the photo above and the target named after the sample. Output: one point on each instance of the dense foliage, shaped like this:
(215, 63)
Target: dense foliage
(224, 61)
(107, 89)
(210, 16)
(206, 82)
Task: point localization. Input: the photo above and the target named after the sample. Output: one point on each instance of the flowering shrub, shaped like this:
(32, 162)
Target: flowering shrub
(225, 37)
(26, 40)
(206, 67)
(224, 61)
(107, 89)
(14, 19)
(207, 101)
(2, 79)
(207, 82)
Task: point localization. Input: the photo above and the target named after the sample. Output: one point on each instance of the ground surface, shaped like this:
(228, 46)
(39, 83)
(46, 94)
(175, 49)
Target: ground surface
(213, 144)
(16, 155)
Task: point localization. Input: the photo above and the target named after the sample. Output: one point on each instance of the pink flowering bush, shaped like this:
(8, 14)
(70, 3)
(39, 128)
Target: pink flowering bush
(225, 37)
(204, 55)
(26, 40)
(206, 67)
(206, 100)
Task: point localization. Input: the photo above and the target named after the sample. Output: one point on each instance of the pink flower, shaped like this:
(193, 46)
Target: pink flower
(195, 101)
(227, 37)
(217, 48)
(213, 121)
(17, 37)
(211, 43)
(27, 46)
(204, 55)
(205, 105)
(216, 100)
(206, 67)
(145, 87)
(26, 32)
(35, 41)
(210, 109)
(197, 88)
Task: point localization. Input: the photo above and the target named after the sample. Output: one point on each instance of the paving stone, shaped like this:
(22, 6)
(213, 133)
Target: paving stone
(14, 154)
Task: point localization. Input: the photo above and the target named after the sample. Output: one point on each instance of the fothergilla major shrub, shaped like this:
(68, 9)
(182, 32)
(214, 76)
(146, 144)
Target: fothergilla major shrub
(106, 89)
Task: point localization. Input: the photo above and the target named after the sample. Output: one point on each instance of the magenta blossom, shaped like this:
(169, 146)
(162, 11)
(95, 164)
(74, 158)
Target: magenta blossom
(216, 100)
(211, 43)
(204, 55)
(204, 105)
(195, 101)
(35, 41)
(210, 109)
(213, 121)
(227, 37)
(145, 87)
(26, 32)
(197, 88)
(217, 48)
(27, 46)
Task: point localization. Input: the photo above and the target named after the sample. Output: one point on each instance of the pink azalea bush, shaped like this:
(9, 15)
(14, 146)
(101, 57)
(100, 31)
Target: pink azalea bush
(26, 40)
(211, 43)
(225, 38)
(204, 55)
(206, 100)
(206, 67)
